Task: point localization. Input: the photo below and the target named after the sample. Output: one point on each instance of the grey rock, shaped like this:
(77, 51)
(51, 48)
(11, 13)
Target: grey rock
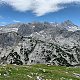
(41, 43)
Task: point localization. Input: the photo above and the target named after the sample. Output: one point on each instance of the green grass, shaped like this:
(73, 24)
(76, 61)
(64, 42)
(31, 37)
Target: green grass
(26, 72)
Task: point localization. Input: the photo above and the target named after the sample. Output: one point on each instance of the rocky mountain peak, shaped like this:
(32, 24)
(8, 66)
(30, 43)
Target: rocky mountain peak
(70, 26)
(68, 22)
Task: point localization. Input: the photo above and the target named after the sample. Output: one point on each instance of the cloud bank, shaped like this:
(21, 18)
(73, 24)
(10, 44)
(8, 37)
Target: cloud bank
(16, 21)
(39, 7)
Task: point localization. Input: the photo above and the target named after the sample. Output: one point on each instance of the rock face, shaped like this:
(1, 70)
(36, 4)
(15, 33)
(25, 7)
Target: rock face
(41, 43)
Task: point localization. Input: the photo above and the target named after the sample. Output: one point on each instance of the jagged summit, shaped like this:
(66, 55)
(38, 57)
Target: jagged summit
(68, 22)
(70, 26)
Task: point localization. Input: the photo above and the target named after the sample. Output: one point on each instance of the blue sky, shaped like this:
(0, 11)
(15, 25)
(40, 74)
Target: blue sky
(12, 13)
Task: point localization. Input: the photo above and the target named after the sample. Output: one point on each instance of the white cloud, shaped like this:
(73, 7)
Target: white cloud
(16, 21)
(3, 23)
(1, 17)
(39, 7)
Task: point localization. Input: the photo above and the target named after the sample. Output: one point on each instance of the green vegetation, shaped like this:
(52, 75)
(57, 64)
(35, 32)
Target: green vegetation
(38, 72)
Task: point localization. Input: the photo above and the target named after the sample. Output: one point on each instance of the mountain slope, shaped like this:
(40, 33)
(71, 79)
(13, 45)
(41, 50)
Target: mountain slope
(41, 43)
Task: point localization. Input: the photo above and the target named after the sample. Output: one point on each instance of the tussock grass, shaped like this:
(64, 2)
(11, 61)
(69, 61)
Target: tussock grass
(39, 71)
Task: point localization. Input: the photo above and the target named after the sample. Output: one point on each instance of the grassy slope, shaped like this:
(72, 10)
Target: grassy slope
(13, 72)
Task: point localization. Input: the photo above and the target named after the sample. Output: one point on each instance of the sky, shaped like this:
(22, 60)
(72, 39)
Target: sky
(16, 11)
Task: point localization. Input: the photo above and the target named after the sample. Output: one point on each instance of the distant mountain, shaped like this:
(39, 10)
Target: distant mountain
(10, 28)
(70, 26)
(40, 43)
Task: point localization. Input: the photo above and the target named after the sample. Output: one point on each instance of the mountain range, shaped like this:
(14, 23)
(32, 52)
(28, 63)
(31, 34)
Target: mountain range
(40, 43)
